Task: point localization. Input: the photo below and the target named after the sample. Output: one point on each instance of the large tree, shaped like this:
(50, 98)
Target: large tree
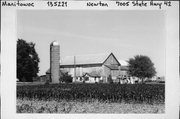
(27, 61)
(142, 67)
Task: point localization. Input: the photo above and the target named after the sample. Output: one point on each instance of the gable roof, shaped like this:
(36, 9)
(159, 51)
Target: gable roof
(84, 59)
(123, 62)
(124, 65)
(92, 75)
(89, 59)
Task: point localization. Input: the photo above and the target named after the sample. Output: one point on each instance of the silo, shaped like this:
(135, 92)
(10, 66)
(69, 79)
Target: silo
(54, 62)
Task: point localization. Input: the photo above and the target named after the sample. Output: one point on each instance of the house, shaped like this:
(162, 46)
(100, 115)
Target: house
(101, 65)
(92, 78)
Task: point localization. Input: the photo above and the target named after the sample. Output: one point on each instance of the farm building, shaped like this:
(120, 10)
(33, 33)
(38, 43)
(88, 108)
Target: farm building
(94, 67)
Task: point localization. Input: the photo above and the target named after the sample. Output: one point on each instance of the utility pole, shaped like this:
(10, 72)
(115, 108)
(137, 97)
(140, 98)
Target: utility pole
(75, 68)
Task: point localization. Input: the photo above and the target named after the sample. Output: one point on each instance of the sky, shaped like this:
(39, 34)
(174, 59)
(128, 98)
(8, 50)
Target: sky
(125, 33)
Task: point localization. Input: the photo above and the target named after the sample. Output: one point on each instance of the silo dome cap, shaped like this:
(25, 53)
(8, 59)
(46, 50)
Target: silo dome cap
(54, 43)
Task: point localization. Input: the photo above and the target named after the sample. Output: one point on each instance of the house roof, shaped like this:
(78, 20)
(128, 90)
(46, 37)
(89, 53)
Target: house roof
(84, 59)
(92, 74)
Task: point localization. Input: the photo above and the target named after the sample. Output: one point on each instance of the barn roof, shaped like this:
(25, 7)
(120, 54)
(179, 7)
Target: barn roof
(84, 59)
(60, 71)
(124, 65)
(89, 59)
(123, 62)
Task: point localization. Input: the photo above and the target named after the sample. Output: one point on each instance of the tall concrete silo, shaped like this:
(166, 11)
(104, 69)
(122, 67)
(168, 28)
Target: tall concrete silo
(54, 62)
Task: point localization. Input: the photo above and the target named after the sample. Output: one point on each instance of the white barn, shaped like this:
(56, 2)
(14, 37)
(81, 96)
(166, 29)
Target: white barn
(97, 66)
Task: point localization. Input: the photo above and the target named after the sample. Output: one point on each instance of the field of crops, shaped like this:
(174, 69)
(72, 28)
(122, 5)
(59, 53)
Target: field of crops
(114, 93)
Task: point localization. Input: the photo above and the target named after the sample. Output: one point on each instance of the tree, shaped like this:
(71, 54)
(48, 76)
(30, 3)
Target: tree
(142, 67)
(27, 61)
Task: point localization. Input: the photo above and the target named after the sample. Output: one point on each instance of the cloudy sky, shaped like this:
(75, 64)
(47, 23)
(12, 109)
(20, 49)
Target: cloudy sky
(125, 33)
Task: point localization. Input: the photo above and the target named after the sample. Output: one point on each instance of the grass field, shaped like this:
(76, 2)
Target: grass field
(35, 106)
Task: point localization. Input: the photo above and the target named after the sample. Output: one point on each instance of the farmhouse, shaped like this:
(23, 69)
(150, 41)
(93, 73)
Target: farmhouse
(93, 67)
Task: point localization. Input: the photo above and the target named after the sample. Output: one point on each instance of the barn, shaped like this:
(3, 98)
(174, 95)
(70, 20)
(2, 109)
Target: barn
(95, 66)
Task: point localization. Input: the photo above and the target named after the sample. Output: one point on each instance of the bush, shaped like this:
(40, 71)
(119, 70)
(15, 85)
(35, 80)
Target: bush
(66, 78)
